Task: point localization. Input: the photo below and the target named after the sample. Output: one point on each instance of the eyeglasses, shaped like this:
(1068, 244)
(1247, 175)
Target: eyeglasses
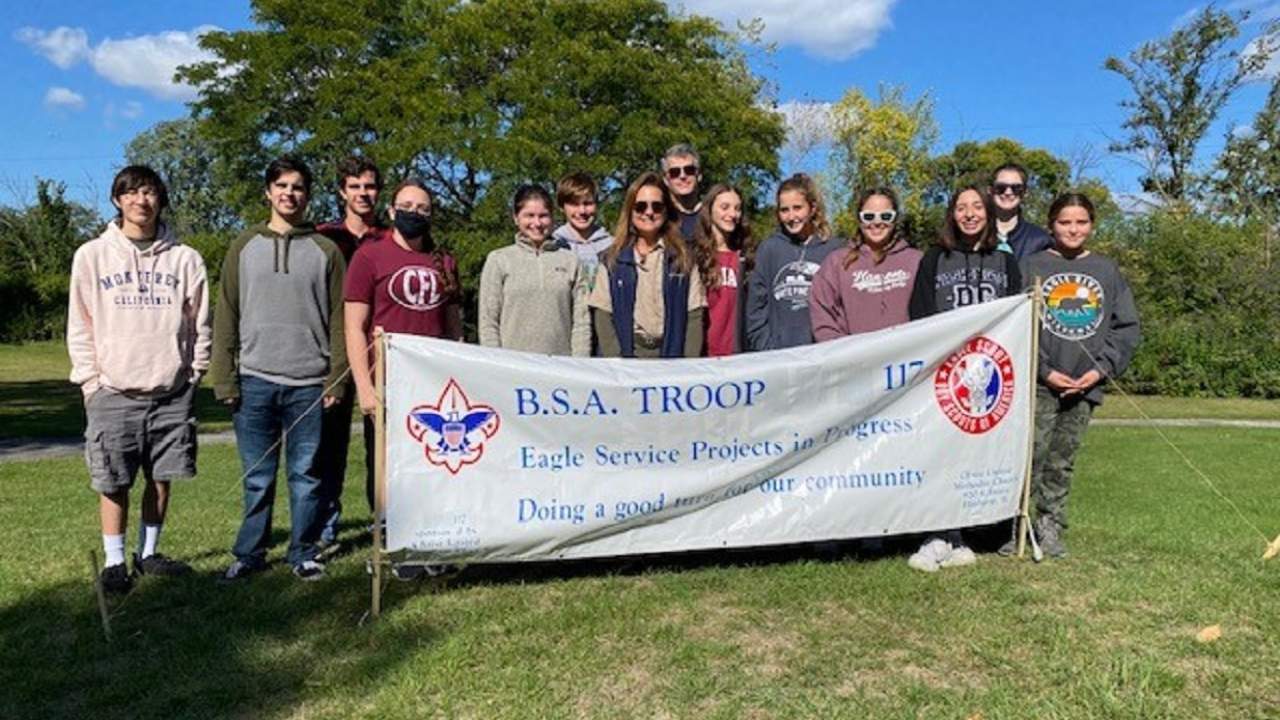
(643, 206)
(687, 170)
(884, 216)
(1015, 188)
(419, 209)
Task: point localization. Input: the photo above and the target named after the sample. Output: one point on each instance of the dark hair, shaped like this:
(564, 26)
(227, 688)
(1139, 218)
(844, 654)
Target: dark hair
(578, 186)
(528, 192)
(704, 235)
(857, 241)
(1022, 172)
(138, 176)
(287, 163)
(451, 286)
(1070, 199)
(624, 234)
(950, 237)
(355, 166)
(806, 186)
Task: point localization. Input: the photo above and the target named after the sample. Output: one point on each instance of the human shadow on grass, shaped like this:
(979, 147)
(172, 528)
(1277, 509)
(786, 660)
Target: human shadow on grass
(189, 647)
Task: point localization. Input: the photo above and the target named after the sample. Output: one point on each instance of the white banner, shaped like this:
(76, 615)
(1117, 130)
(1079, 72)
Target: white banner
(496, 455)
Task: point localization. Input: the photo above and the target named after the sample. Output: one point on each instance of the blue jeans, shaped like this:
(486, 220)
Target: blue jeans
(331, 462)
(266, 411)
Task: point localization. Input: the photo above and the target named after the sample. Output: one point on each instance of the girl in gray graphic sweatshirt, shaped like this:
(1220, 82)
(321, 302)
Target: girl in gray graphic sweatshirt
(1088, 333)
(778, 288)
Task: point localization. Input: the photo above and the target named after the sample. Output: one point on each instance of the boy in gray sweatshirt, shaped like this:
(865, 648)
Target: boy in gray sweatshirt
(277, 345)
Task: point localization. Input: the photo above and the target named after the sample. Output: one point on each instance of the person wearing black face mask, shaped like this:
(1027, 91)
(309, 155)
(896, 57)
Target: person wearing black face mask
(404, 285)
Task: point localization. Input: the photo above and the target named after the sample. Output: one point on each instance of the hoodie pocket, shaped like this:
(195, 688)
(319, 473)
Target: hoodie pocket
(290, 350)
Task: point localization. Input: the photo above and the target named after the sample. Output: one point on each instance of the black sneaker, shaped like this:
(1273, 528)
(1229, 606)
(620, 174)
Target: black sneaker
(158, 564)
(309, 570)
(408, 572)
(116, 579)
(240, 570)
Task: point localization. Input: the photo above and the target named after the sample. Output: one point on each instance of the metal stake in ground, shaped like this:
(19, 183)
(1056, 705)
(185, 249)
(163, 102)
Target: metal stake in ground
(96, 574)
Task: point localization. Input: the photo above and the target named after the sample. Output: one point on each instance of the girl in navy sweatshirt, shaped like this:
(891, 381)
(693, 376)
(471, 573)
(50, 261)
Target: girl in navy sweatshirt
(778, 291)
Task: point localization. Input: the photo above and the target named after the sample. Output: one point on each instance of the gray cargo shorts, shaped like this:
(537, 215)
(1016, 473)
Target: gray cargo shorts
(125, 434)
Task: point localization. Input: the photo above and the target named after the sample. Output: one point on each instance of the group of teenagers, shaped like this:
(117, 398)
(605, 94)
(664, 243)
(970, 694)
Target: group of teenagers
(288, 347)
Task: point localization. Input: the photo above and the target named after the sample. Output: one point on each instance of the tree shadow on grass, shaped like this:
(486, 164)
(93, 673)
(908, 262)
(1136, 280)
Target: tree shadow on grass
(55, 409)
(189, 647)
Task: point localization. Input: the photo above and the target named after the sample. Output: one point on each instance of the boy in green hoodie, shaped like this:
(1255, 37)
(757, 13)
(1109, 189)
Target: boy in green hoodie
(279, 355)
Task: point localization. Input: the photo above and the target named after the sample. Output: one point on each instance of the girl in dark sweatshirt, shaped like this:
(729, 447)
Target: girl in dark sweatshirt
(963, 269)
(1088, 333)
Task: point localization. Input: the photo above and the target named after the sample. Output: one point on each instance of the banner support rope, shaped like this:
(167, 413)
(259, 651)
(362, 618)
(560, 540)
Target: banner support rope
(379, 465)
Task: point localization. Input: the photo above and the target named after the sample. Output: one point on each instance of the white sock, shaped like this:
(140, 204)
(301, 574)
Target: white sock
(148, 538)
(113, 546)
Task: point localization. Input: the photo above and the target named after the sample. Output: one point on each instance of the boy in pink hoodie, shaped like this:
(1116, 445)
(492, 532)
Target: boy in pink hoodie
(139, 337)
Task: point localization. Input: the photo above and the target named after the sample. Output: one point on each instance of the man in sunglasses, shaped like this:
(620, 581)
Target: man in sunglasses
(682, 173)
(1017, 236)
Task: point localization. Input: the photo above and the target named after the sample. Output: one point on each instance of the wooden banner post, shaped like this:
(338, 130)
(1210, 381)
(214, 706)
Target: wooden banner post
(1024, 507)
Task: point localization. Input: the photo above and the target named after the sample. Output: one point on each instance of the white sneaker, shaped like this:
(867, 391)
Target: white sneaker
(930, 556)
(960, 555)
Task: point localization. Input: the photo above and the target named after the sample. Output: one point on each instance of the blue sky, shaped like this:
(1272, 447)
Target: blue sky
(85, 77)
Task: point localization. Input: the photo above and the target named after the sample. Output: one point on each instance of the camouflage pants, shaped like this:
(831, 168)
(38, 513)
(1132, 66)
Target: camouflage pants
(1060, 427)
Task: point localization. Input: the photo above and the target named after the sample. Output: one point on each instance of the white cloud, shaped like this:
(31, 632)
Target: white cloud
(832, 29)
(62, 46)
(131, 109)
(60, 98)
(147, 62)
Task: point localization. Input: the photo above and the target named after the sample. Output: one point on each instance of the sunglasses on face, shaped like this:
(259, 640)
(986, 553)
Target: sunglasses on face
(884, 216)
(687, 170)
(1015, 188)
(643, 206)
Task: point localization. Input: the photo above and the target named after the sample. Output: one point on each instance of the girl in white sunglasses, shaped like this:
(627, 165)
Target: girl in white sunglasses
(866, 285)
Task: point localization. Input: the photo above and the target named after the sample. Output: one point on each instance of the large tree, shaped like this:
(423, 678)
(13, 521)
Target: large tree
(1180, 84)
(1248, 180)
(175, 149)
(882, 141)
(974, 162)
(477, 96)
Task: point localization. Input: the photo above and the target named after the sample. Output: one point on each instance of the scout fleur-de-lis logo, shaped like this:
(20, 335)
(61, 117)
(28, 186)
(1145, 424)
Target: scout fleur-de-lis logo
(454, 430)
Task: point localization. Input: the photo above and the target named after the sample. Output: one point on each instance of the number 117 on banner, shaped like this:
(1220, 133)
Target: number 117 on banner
(897, 375)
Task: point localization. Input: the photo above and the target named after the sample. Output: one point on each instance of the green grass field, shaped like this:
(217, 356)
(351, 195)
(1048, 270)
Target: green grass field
(36, 400)
(1108, 633)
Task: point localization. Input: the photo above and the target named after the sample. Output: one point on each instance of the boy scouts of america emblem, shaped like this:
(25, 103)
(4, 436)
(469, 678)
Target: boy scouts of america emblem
(454, 430)
(974, 385)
